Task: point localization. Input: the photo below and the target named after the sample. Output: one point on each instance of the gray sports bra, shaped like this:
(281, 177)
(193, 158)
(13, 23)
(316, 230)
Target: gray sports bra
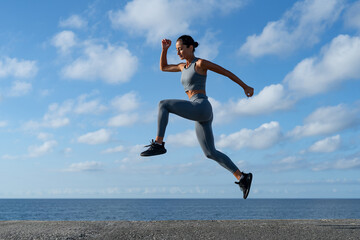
(191, 80)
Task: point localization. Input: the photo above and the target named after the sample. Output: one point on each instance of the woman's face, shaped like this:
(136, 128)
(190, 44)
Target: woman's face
(183, 51)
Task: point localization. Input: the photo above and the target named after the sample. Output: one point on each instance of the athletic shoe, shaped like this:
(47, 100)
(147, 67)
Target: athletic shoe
(245, 183)
(154, 149)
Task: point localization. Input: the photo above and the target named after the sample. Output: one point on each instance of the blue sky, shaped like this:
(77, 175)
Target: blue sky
(80, 84)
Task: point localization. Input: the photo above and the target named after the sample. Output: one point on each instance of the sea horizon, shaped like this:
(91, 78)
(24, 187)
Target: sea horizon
(175, 198)
(151, 209)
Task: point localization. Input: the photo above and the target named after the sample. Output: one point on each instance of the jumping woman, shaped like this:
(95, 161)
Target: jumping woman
(198, 108)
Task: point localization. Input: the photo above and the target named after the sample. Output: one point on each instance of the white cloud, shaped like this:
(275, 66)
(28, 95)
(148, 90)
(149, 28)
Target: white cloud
(58, 114)
(352, 16)
(112, 64)
(301, 26)
(126, 102)
(222, 113)
(341, 164)
(263, 137)
(88, 107)
(9, 157)
(326, 120)
(187, 139)
(209, 46)
(326, 145)
(12, 67)
(288, 163)
(45, 92)
(135, 149)
(124, 105)
(337, 63)
(3, 123)
(136, 17)
(131, 154)
(159, 22)
(123, 119)
(48, 123)
(129, 167)
(97, 137)
(44, 136)
(85, 167)
(67, 151)
(115, 149)
(37, 151)
(74, 21)
(64, 40)
(272, 98)
(19, 88)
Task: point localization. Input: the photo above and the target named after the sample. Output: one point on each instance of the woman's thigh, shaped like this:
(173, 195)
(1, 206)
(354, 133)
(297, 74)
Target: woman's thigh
(196, 111)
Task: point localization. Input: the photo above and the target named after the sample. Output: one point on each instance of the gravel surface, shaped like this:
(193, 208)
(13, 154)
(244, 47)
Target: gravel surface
(232, 229)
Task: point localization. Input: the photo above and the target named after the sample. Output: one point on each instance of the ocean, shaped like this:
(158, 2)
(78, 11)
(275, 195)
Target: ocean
(176, 209)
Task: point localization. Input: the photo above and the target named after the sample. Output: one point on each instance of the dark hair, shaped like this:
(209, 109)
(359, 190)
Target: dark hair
(188, 41)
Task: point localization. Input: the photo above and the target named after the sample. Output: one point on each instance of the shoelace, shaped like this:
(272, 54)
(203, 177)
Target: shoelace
(240, 184)
(151, 145)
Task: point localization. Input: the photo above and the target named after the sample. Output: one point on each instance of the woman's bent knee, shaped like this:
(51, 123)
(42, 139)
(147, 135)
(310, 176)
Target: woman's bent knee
(163, 104)
(210, 155)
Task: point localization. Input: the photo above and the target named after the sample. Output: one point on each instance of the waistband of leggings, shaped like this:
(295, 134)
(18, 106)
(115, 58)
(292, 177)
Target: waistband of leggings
(197, 96)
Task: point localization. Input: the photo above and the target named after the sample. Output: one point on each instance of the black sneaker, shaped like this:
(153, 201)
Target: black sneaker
(245, 183)
(154, 149)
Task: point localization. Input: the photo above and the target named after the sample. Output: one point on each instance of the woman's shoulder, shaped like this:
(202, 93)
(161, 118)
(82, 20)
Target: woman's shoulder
(181, 66)
(202, 62)
(201, 66)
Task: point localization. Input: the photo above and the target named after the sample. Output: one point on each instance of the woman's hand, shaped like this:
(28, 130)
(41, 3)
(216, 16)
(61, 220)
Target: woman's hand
(166, 43)
(249, 91)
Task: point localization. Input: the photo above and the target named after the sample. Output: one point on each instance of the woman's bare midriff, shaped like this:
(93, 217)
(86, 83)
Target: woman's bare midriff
(191, 93)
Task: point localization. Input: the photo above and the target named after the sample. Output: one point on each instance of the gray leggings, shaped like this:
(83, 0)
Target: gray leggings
(199, 110)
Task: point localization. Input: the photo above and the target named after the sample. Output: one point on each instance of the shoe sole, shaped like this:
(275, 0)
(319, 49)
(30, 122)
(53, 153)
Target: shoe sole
(149, 155)
(248, 189)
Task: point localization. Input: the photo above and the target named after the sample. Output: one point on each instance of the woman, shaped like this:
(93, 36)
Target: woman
(198, 108)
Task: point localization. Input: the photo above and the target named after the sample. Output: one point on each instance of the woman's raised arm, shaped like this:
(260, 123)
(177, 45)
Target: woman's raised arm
(164, 66)
(207, 65)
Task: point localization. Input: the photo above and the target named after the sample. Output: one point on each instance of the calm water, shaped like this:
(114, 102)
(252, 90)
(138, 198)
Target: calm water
(177, 209)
